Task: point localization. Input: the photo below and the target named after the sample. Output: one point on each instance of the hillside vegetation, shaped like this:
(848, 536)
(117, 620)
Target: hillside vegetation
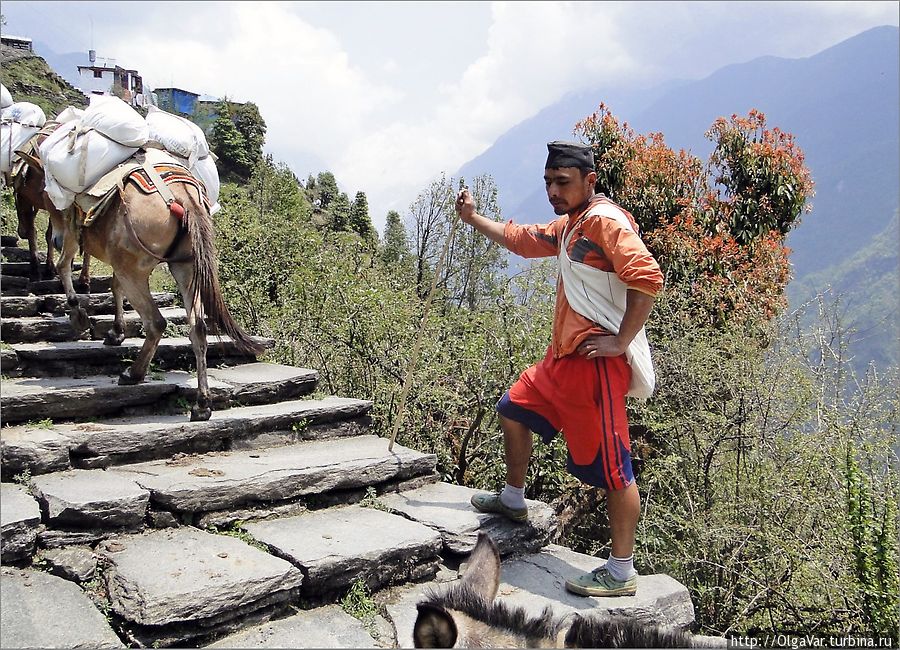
(767, 488)
(30, 79)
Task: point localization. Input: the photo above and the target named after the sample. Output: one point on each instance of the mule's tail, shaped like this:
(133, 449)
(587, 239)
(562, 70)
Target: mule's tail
(205, 282)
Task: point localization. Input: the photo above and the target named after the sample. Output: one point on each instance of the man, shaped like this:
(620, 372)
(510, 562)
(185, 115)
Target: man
(579, 388)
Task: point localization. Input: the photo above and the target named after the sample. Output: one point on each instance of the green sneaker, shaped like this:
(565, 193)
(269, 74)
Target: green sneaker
(599, 583)
(492, 503)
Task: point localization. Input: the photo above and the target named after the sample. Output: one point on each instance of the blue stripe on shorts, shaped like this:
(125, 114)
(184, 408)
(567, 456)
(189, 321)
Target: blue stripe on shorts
(534, 421)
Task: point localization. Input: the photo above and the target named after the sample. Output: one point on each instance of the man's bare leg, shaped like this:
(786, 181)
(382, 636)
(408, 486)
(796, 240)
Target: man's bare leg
(517, 444)
(624, 509)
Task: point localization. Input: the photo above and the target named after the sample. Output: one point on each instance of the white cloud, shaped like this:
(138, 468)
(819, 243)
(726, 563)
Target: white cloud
(389, 106)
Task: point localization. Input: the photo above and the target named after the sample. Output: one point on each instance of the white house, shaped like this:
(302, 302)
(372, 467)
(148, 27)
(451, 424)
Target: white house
(104, 77)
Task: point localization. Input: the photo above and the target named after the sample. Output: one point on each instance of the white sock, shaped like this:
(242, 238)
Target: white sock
(513, 497)
(621, 568)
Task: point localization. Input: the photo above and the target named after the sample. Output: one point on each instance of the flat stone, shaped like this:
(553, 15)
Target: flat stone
(22, 269)
(89, 357)
(58, 328)
(36, 448)
(16, 254)
(99, 283)
(124, 436)
(336, 546)
(538, 580)
(324, 627)
(185, 574)
(226, 480)
(20, 519)
(446, 508)
(90, 498)
(13, 282)
(95, 303)
(32, 398)
(18, 306)
(8, 359)
(44, 611)
(76, 563)
(264, 383)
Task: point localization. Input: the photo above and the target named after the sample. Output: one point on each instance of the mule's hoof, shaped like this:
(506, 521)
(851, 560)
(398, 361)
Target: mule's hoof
(125, 379)
(79, 320)
(113, 338)
(200, 414)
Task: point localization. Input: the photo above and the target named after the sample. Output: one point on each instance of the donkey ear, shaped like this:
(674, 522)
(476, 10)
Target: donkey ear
(434, 628)
(483, 572)
(30, 160)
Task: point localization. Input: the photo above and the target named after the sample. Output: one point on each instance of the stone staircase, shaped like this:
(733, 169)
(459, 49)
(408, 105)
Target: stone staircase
(125, 524)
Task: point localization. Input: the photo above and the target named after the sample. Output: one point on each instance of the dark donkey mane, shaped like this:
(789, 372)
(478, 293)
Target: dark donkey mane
(613, 631)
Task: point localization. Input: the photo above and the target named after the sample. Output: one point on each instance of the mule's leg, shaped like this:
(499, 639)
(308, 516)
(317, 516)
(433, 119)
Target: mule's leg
(49, 238)
(137, 288)
(85, 277)
(77, 315)
(116, 334)
(25, 230)
(183, 273)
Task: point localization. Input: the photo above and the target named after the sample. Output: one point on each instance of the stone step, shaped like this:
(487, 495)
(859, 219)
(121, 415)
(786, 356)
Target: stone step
(34, 329)
(173, 586)
(447, 508)
(335, 547)
(12, 285)
(21, 268)
(322, 627)
(534, 581)
(98, 284)
(20, 522)
(42, 447)
(16, 254)
(55, 304)
(194, 486)
(81, 358)
(44, 611)
(63, 398)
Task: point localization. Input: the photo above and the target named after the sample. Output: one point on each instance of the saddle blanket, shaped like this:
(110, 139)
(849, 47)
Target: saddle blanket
(96, 199)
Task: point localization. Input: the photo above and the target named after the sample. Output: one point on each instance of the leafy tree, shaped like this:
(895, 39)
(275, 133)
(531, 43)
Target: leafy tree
(360, 222)
(252, 127)
(340, 212)
(396, 244)
(326, 190)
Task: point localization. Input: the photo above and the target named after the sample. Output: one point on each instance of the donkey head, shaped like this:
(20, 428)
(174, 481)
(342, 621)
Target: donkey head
(466, 616)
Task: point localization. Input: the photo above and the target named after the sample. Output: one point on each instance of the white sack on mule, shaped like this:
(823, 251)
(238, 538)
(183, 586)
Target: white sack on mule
(75, 158)
(116, 120)
(5, 97)
(19, 122)
(177, 135)
(70, 114)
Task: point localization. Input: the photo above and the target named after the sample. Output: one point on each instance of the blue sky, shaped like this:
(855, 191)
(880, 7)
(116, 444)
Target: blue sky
(388, 95)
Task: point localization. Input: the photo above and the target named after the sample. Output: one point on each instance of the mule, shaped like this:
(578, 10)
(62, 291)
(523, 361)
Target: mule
(467, 616)
(133, 235)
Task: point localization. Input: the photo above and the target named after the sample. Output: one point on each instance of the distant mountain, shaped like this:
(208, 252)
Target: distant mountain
(841, 104)
(867, 284)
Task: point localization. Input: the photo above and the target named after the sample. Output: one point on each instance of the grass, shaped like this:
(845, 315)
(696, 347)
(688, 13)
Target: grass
(235, 530)
(359, 604)
(371, 500)
(46, 423)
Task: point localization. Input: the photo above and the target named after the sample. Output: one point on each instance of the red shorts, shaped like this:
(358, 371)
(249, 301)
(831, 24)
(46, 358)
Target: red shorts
(585, 399)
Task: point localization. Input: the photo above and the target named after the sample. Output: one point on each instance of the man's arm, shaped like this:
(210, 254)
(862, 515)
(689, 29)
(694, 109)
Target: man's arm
(465, 208)
(637, 309)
